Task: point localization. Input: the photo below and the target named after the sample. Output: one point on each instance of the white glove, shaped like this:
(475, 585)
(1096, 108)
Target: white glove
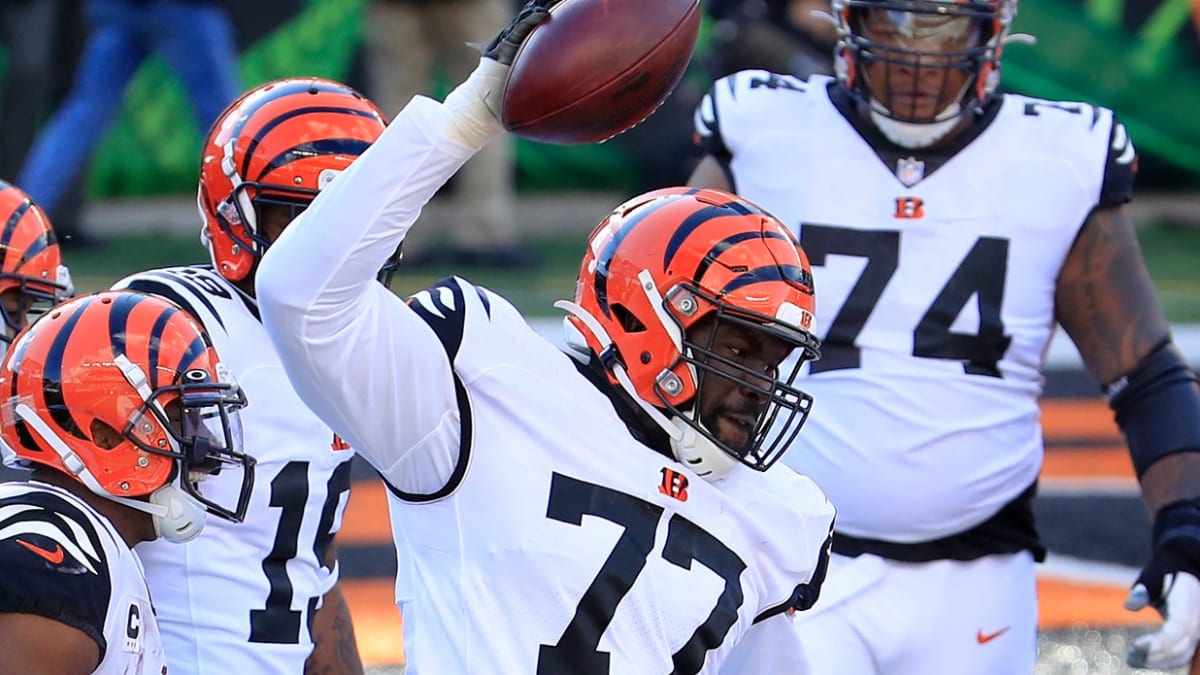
(474, 105)
(1174, 644)
(473, 108)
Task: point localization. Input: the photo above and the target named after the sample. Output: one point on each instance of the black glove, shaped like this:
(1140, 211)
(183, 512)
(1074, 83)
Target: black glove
(1170, 583)
(503, 48)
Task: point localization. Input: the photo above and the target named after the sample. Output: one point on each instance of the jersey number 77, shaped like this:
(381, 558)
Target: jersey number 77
(577, 651)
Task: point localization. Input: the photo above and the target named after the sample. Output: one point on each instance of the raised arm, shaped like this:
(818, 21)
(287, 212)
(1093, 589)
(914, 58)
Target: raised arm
(357, 355)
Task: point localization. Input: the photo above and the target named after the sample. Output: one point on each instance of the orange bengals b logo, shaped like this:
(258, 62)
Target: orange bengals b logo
(338, 444)
(674, 484)
(910, 207)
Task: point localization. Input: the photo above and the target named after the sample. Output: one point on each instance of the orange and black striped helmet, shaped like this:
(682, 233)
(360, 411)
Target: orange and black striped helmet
(278, 143)
(32, 276)
(664, 262)
(123, 392)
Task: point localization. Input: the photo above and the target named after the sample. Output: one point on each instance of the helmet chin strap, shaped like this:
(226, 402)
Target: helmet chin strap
(691, 448)
(205, 240)
(177, 517)
(235, 180)
(916, 135)
(699, 453)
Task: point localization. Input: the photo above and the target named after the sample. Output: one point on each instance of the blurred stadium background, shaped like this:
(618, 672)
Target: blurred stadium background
(1140, 57)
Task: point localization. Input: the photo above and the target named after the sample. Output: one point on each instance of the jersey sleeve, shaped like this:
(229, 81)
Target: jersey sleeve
(365, 361)
(1089, 140)
(54, 564)
(800, 563)
(1120, 167)
(707, 121)
(731, 108)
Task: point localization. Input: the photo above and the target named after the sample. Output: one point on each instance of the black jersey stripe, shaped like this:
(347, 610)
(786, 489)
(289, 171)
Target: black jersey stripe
(448, 320)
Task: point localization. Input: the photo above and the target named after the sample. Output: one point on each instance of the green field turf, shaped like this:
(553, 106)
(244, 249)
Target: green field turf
(1172, 253)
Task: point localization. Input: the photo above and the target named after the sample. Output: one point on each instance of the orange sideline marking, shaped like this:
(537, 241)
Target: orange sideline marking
(1066, 604)
(366, 518)
(1079, 418)
(378, 627)
(1088, 462)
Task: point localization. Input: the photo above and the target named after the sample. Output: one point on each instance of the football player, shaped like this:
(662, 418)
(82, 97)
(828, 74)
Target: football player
(119, 404)
(951, 227)
(269, 601)
(32, 276)
(595, 513)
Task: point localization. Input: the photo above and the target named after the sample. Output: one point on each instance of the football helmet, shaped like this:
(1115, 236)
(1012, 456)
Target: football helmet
(123, 392)
(32, 276)
(917, 37)
(668, 260)
(277, 144)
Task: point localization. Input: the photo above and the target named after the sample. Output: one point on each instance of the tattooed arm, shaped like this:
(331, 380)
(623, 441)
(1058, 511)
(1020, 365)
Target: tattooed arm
(1106, 303)
(335, 651)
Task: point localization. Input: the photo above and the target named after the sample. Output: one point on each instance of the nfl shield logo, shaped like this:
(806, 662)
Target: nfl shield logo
(910, 171)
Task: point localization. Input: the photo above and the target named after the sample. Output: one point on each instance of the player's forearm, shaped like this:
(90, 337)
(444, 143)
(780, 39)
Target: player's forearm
(335, 651)
(1173, 478)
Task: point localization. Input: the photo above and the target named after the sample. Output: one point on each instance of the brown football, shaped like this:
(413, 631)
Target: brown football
(597, 67)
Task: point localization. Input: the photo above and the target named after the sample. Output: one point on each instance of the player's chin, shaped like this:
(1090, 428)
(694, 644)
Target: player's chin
(733, 432)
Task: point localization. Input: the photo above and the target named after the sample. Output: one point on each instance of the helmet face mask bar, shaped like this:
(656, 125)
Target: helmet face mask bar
(246, 229)
(691, 300)
(34, 297)
(124, 393)
(204, 433)
(773, 390)
(921, 63)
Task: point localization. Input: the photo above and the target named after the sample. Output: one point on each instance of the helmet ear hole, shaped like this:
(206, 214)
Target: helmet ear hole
(104, 436)
(628, 321)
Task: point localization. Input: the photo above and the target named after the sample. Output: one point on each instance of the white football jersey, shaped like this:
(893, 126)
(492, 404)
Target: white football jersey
(534, 534)
(935, 280)
(240, 598)
(63, 560)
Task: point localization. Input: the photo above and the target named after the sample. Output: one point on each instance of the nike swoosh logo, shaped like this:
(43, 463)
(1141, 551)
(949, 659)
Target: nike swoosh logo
(54, 557)
(985, 638)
